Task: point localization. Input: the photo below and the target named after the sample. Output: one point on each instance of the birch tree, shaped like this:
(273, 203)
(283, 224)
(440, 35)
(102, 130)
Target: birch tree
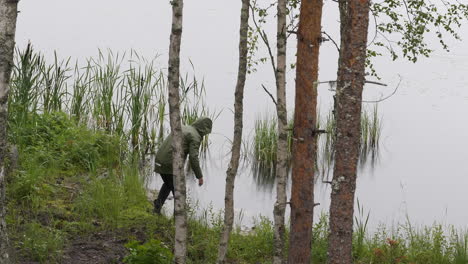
(8, 15)
(354, 17)
(237, 140)
(282, 151)
(180, 241)
(305, 143)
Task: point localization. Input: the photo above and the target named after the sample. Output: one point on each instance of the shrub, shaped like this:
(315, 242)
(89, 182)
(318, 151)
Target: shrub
(151, 252)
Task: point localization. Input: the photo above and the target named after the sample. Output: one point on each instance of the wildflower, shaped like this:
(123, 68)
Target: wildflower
(378, 252)
(391, 242)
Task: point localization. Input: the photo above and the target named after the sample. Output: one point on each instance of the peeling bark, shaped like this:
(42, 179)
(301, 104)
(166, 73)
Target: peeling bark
(180, 215)
(305, 143)
(237, 140)
(8, 15)
(351, 77)
(282, 151)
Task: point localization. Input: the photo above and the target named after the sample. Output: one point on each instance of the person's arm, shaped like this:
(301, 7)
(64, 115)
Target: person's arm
(194, 160)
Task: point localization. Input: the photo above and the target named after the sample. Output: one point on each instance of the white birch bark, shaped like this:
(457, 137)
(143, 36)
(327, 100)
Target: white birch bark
(8, 14)
(236, 144)
(282, 151)
(180, 241)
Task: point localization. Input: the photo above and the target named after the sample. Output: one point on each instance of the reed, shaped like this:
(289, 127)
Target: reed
(54, 88)
(80, 106)
(121, 94)
(265, 142)
(107, 80)
(25, 82)
(193, 104)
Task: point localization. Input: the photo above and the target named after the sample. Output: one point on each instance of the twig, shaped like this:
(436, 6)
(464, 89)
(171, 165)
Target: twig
(264, 37)
(386, 97)
(268, 92)
(376, 29)
(319, 131)
(377, 83)
(332, 40)
(366, 81)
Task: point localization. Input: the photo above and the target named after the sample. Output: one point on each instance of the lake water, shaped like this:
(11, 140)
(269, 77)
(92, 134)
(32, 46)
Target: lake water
(422, 172)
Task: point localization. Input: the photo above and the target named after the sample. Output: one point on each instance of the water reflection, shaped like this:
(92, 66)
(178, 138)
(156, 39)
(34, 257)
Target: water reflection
(263, 160)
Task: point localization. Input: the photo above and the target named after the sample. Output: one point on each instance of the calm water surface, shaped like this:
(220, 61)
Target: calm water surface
(422, 172)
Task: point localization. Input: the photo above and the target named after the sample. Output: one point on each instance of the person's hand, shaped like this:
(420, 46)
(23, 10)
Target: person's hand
(200, 182)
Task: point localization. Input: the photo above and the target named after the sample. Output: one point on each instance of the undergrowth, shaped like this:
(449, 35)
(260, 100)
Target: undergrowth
(73, 183)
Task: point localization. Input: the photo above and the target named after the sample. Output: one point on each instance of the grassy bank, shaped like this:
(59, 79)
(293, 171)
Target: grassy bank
(76, 189)
(76, 197)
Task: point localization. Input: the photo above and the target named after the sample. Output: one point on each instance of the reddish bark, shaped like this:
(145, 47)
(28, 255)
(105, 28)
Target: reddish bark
(305, 145)
(351, 77)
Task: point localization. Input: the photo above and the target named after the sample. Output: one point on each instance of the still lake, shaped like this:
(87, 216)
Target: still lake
(422, 170)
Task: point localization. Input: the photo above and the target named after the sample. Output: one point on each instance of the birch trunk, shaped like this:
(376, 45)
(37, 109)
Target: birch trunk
(236, 144)
(282, 151)
(8, 14)
(305, 145)
(180, 242)
(351, 77)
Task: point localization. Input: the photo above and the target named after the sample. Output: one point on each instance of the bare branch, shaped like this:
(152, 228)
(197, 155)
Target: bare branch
(376, 83)
(388, 96)
(332, 40)
(268, 92)
(333, 83)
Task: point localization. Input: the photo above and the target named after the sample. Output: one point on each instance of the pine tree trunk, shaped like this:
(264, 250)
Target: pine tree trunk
(305, 144)
(8, 14)
(180, 246)
(351, 77)
(236, 144)
(282, 151)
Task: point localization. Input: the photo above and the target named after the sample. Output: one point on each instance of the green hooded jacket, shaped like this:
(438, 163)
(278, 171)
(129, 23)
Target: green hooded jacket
(191, 139)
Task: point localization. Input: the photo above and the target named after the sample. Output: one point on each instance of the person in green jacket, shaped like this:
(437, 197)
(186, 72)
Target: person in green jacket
(191, 139)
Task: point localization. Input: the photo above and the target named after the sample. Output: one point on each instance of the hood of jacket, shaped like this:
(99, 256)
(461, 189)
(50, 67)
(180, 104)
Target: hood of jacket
(203, 125)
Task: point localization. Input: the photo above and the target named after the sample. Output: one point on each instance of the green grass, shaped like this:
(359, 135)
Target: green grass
(73, 182)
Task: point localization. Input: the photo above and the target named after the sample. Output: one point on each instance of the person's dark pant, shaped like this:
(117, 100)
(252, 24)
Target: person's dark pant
(167, 187)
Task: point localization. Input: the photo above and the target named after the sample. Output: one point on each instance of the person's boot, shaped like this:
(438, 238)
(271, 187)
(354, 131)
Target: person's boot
(157, 207)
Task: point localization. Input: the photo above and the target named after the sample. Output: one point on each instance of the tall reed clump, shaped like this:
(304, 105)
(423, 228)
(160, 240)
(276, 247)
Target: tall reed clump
(193, 104)
(264, 150)
(265, 136)
(54, 90)
(107, 85)
(25, 85)
(118, 93)
(371, 129)
(80, 106)
(139, 82)
(326, 145)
